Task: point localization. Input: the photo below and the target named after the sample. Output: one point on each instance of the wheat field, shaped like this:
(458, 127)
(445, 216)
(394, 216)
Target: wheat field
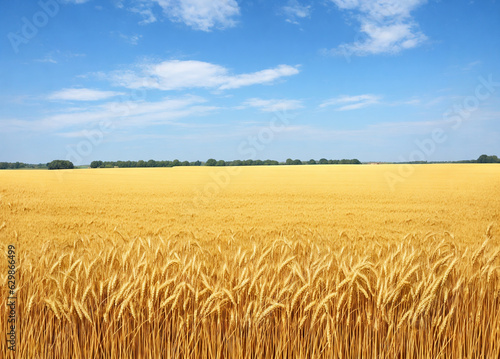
(270, 262)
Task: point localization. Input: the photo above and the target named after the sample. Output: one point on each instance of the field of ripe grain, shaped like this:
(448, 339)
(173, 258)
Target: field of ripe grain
(280, 262)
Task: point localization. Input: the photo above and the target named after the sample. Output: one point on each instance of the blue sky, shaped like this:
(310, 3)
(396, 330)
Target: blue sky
(375, 80)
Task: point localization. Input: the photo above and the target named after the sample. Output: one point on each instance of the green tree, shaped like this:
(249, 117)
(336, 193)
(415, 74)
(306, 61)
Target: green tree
(482, 159)
(60, 165)
(488, 159)
(271, 163)
(323, 161)
(311, 162)
(95, 164)
(211, 162)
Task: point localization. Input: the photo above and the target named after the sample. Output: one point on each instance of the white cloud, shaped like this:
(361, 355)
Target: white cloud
(294, 11)
(273, 105)
(414, 101)
(47, 59)
(147, 14)
(176, 75)
(346, 103)
(117, 114)
(57, 56)
(259, 77)
(131, 39)
(386, 25)
(82, 95)
(201, 14)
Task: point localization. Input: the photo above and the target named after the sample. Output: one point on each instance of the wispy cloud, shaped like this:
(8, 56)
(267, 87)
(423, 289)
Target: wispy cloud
(438, 100)
(471, 65)
(176, 75)
(346, 103)
(47, 59)
(131, 39)
(204, 15)
(412, 102)
(387, 26)
(145, 12)
(273, 105)
(120, 114)
(57, 56)
(82, 94)
(382, 130)
(294, 11)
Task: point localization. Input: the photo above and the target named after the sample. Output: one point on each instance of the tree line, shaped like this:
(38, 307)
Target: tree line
(141, 163)
(488, 159)
(64, 164)
(480, 159)
(288, 162)
(54, 165)
(19, 165)
(214, 162)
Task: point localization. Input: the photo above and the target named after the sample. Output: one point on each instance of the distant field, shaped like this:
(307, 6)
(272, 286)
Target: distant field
(288, 261)
(63, 205)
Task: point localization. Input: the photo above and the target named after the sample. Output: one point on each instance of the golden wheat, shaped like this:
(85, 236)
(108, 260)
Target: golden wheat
(310, 262)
